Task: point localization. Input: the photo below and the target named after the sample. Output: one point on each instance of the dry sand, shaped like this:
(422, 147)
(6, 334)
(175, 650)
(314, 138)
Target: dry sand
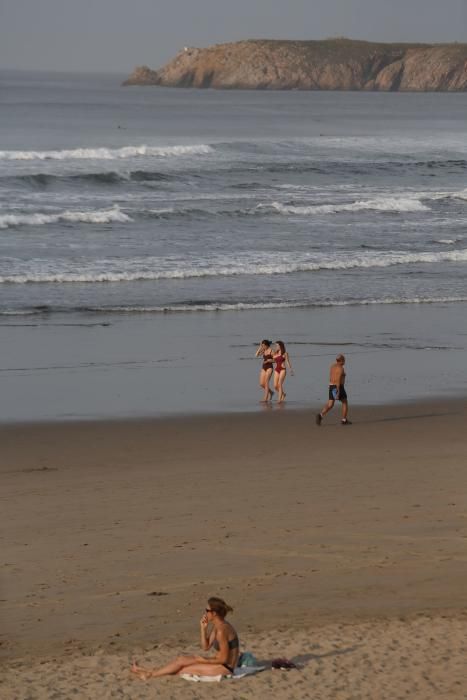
(345, 547)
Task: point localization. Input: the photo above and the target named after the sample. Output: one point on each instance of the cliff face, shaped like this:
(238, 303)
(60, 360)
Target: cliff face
(333, 64)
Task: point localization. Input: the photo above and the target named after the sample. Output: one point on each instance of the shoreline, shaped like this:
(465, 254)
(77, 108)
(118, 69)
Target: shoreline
(183, 365)
(255, 410)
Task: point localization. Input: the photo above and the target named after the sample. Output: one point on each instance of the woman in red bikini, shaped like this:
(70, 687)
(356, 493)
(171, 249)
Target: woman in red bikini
(281, 361)
(265, 374)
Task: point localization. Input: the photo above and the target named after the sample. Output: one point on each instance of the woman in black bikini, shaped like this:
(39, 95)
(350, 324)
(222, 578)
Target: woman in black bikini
(216, 634)
(265, 374)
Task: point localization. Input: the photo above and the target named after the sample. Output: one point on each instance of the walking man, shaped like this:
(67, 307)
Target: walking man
(336, 391)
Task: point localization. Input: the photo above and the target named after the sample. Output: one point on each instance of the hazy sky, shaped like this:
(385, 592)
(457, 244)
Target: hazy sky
(116, 35)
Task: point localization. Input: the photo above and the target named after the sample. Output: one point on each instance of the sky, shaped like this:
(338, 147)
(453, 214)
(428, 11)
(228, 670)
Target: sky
(116, 35)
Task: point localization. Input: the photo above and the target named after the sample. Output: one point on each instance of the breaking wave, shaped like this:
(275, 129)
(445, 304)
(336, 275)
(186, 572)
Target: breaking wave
(252, 306)
(388, 204)
(448, 241)
(108, 153)
(462, 195)
(215, 306)
(102, 216)
(151, 269)
(110, 177)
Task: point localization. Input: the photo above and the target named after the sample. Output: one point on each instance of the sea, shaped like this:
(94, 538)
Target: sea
(200, 221)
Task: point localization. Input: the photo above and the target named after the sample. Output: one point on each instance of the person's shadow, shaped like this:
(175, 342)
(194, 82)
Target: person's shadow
(301, 660)
(304, 659)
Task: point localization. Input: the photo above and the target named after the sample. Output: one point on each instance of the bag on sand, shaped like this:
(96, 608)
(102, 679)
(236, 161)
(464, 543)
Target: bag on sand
(247, 659)
(282, 664)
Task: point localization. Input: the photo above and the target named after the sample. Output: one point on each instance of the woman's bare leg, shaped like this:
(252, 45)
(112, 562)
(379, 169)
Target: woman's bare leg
(276, 381)
(169, 670)
(281, 381)
(267, 389)
(206, 670)
(262, 380)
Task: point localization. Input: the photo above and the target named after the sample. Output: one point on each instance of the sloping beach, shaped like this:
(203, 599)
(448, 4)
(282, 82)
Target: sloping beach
(150, 239)
(341, 547)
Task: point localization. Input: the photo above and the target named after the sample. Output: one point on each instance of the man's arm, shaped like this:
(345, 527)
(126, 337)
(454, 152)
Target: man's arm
(339, 374)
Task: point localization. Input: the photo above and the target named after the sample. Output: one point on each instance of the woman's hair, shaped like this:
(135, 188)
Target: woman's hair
(266, 342)
(219, 606)
(281, 345)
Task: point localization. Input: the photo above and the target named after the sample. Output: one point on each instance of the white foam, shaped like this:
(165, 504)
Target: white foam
(395, 300)
(164, 210)
(246, 306)
(457, 194)
(19, 312)
(238, 306)
(241, 306)
(460, 195)
(153, 268)
(102, 216)
(390, 204)
(108, 153)
(214, 306)
(252, 306)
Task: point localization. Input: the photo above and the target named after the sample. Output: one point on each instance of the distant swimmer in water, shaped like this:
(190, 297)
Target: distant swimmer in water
(265, 374)
(281, 362)
(215, 633)
(336, 391)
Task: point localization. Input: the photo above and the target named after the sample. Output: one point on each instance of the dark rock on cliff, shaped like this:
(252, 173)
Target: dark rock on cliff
(142, 75)
(332, 64)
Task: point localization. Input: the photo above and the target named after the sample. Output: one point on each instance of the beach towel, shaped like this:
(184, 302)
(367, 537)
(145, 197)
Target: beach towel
(239, 672)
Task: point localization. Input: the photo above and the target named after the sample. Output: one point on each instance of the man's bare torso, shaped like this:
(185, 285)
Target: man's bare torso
(337, 375)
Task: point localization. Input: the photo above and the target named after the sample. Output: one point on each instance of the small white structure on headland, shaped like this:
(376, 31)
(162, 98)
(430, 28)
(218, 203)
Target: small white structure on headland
(190, 50)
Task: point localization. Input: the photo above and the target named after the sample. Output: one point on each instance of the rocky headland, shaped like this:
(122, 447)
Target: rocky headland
(331, 64)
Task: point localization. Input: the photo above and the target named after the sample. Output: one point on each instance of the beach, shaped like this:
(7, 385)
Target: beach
(150, 238)
(342, 547)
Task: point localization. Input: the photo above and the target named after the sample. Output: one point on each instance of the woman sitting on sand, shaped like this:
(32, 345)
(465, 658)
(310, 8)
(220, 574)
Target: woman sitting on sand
(281, 361)
(216, 634)
(265, 374)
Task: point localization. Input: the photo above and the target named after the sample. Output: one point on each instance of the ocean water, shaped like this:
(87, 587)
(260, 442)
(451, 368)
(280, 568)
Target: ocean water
(150, 237)
(130, 200)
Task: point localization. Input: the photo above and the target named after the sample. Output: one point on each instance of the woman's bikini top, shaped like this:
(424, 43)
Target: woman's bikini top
(233, 643)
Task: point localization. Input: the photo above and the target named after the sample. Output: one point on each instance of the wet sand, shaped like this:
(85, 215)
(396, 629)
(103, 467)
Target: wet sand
(112, 366)
(346, 547)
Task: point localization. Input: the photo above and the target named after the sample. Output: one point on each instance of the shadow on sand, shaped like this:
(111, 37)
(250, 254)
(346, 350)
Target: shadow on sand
(418, 416)
(301, 660)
